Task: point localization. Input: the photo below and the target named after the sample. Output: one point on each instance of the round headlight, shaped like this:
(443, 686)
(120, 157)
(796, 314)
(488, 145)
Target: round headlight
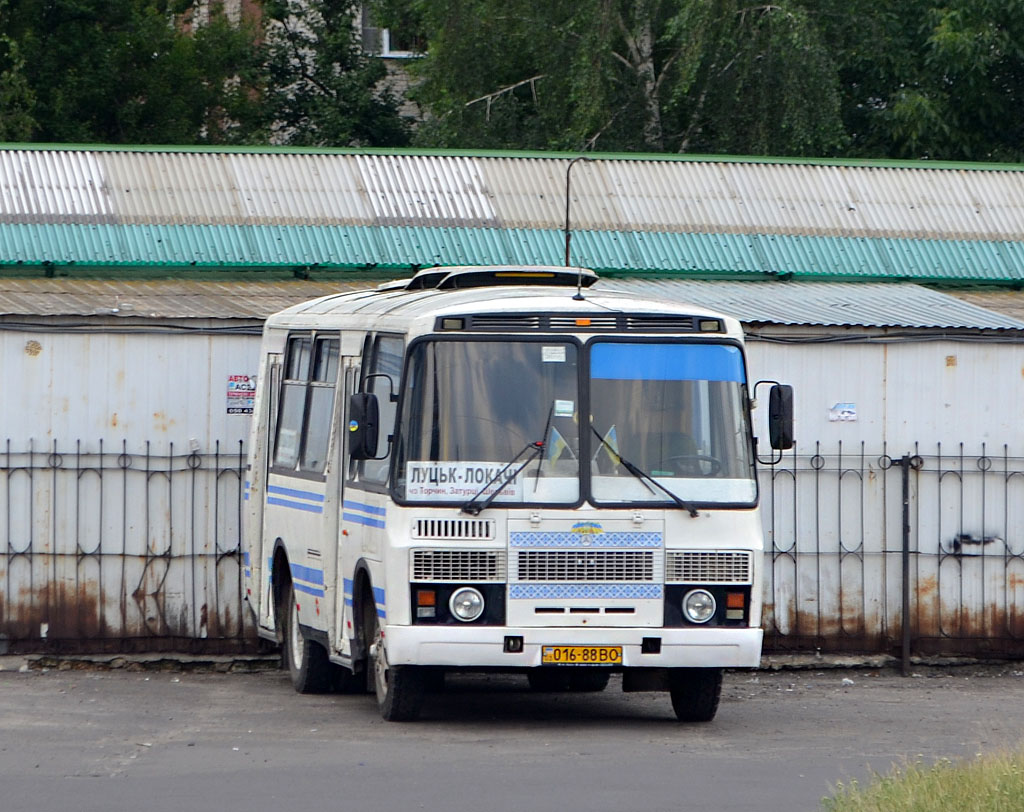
(466, 604)
(699, 606)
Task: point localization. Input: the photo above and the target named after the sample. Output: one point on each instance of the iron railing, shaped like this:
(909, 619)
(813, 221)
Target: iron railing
(115, 549)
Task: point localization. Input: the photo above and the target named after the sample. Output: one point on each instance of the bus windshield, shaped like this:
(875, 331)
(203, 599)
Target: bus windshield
(676, 411)
(473, 407)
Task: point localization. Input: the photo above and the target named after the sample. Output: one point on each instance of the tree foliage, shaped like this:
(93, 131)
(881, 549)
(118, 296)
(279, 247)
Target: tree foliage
(322, 89)
(652, 75)
(937, 79)
(121, 71)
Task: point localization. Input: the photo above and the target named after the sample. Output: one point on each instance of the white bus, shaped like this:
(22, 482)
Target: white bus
(506, 469)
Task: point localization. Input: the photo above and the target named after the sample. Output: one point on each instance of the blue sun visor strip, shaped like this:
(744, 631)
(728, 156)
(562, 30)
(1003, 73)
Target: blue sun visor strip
(666, 362)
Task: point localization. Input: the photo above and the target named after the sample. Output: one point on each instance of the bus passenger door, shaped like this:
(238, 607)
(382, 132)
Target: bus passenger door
(344, 626)
(261, 568)
(366, 503)
(264, 417)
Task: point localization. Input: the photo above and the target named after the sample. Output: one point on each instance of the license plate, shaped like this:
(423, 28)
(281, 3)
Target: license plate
(581, 655)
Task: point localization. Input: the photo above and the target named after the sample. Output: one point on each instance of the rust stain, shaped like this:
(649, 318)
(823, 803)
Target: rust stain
(113, 420)
(33, 348)
(1014, 582)
(55, 612)
(927, 586)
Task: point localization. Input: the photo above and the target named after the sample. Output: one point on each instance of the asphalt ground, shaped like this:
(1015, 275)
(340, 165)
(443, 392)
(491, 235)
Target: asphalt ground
(163, 733)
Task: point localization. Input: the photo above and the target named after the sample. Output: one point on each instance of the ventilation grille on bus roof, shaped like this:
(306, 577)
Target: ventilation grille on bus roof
(489, 276)
(579, 323)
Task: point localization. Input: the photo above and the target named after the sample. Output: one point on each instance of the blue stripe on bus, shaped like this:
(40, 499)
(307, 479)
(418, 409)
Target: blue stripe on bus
(355, 518)
(308, 574)
(379, 595)
(376, 511)
(295, 505)
(311, 590)
(296, 494)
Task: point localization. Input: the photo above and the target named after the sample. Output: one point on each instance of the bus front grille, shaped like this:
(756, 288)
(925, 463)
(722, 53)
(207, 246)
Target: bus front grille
(585, 565)
(475, 566)
(709, 567)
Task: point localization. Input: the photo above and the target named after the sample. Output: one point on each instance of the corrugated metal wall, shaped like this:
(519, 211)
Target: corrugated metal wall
(121, 475)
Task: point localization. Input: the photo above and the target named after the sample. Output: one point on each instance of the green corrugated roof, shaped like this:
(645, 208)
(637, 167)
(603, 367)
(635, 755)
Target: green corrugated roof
(203, 247)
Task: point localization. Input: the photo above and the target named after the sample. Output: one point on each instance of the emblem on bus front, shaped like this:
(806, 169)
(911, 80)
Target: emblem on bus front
(587, 528)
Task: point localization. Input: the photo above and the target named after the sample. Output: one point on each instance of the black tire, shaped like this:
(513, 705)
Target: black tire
(695, 693)
(589, 680)
(307, 663)
(400, 689)
(547, 679)
(345, 681)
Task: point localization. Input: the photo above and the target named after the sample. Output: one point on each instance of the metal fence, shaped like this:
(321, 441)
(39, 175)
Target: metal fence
(115, 550)
(857, 543)
(111, 549)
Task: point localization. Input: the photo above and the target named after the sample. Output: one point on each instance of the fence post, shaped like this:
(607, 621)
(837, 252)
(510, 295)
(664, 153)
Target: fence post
(905, 477)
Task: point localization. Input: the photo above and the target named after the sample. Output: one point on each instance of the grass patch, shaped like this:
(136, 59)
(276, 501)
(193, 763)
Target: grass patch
(992, 783)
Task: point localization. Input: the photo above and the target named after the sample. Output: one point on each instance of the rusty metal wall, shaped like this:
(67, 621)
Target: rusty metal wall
(111, 548)
(835, 548)
(121, 548)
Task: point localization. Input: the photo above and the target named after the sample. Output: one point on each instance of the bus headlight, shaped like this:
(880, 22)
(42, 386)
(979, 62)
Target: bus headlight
(466, 604)
(699, 606)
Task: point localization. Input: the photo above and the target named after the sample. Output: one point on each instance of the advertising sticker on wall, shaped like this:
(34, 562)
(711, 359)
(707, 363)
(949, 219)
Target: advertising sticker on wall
(241, 391)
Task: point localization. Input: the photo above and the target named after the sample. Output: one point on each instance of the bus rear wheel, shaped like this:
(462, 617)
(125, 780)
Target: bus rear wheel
(400, 689)
(695, 693)
(308, 666)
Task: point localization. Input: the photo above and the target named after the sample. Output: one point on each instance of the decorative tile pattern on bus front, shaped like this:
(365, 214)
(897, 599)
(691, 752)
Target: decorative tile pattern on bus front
(585, 573)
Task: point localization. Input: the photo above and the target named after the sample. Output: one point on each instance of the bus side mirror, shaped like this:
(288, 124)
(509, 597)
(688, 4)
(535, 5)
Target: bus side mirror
(780, 416)
(363, 426)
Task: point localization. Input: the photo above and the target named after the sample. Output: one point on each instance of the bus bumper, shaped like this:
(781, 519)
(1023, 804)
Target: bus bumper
(485, 647)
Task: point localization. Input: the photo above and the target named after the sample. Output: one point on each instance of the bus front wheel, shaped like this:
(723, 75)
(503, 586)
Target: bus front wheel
(400, 688)
(695, 693)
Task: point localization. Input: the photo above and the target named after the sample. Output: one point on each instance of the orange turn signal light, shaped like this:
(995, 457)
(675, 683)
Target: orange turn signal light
(426, 597)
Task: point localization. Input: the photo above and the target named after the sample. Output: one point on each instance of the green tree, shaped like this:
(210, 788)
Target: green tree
(16, 97)
(322, 89)
(923, 80)
(651, 75)
(124, 71)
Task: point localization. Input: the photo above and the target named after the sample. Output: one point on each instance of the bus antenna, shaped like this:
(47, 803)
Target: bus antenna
(568, 232)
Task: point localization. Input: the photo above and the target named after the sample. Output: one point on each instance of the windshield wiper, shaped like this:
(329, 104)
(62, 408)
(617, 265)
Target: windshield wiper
(473, 509)
(643, 476)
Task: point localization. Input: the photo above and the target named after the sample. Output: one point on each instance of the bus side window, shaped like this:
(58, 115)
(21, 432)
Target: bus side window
(306, 404)
(292, 403)
(320, 405)
(385, 360)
